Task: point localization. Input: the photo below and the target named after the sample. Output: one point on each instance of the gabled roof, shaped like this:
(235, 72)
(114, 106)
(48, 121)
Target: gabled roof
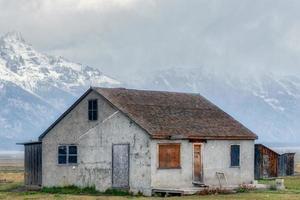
(171, 114)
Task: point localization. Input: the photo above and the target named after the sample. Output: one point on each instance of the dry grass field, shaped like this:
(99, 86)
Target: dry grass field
(11, 162)
(297, 168)
(11, 182)
(10, 189)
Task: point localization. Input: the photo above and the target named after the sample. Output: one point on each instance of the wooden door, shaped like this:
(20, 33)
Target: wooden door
(120, 166)
(33, 164)
(197, 163)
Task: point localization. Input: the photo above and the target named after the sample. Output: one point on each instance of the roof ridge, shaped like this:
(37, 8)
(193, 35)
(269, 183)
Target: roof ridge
(146, 90)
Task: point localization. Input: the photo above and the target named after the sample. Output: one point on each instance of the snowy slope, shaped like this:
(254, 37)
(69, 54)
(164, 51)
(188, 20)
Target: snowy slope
(268, 104)
(35, 88)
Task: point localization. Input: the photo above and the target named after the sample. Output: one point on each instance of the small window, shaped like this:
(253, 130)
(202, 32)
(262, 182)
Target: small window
(93, 110)
(67, 154)
(169, 156)
(62, 155)
(235, 155)
(72, 154)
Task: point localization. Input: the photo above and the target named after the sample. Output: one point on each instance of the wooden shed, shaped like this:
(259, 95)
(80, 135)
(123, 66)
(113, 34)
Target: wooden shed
(266, 162)
(33, 164)
(286, 164)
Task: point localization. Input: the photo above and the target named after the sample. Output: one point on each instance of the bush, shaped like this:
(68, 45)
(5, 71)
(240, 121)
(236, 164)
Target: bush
(245, 188)
(117, 192)
(214, 191)
(70, 190)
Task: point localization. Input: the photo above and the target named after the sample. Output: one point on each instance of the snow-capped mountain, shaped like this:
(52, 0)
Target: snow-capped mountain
(35, 88)
(268, 104)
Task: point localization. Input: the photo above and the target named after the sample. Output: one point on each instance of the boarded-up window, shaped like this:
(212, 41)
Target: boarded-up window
(235, 155)
(169, 156)
(93, 110)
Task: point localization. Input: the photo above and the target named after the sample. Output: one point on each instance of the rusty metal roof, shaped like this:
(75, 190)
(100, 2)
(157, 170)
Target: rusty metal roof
(178, 115)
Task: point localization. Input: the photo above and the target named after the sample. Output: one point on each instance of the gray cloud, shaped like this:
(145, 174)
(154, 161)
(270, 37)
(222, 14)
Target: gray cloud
(123, 36)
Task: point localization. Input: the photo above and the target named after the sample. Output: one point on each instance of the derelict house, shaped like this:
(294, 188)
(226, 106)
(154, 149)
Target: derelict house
(145, 141)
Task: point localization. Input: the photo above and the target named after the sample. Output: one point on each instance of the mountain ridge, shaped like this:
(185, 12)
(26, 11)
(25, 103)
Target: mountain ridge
(34, 85)
(268, 104)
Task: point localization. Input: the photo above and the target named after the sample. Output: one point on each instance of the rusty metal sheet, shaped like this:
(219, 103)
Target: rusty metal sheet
(120, 166)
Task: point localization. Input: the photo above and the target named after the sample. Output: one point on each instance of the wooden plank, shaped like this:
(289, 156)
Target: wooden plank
(169, 155)
(26, 165)
(40, 165)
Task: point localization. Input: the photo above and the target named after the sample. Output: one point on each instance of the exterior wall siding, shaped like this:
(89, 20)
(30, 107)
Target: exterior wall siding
(266, 162)
(95, 140)
(215, 158)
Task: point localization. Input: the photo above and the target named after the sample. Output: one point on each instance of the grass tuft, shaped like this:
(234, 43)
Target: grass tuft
(117, 192)
(72, 189)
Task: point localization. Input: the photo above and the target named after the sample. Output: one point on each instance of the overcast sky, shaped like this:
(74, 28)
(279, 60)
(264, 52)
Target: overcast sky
(124, 36)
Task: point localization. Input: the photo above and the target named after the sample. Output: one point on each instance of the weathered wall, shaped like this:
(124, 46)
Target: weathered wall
(266, 162)
(172, 178)
(215, 157)
(94, 140)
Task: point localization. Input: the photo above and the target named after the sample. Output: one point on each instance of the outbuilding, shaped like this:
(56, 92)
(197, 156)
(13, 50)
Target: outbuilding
(266, 162)
(145, 141)
(286, 164)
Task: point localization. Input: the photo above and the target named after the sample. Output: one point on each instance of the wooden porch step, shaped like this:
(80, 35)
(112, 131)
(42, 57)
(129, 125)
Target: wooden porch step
(167, 192)
(177, 191)
(199, 184)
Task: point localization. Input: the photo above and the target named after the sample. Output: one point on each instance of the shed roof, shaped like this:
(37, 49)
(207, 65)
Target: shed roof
(172, 114)
(268, 148)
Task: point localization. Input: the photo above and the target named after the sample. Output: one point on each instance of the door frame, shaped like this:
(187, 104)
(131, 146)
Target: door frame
(201, 159)
(112, 165)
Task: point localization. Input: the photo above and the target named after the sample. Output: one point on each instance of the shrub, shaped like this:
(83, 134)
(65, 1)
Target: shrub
(72, 189)
(245, 188)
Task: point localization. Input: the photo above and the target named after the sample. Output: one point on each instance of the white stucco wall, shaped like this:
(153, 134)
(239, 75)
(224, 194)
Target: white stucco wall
(215, 158)
(94, 142)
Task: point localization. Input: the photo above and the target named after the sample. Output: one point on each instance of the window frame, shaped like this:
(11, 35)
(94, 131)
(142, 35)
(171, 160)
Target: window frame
(92, 110)
(230, 151)
(67, 154)
(158, 156)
